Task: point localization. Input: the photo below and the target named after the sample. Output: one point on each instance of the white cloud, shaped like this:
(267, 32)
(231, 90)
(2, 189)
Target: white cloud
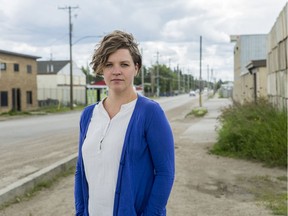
(170, 27)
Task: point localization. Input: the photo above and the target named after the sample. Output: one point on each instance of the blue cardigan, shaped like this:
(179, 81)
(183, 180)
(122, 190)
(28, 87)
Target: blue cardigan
(147, 164)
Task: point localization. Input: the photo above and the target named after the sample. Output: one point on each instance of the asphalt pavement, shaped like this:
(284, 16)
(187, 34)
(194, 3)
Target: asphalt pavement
(202, 130)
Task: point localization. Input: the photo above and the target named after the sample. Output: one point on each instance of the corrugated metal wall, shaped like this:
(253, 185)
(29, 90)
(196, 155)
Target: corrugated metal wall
(247, 48)
(277, 61)
(253, 47)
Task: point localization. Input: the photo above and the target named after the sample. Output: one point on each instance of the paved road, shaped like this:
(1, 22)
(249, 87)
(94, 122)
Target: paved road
(205, 184)
(32, 143)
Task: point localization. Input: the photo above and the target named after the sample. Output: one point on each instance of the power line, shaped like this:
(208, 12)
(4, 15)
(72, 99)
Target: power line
(69, 8)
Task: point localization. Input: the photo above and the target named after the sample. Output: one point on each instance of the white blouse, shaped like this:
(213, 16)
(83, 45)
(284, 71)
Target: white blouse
(101, 152)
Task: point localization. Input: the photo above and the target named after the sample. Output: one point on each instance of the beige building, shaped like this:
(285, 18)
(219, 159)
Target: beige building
(256, 79)
(18, 81)
(247, 48)
(277, 61)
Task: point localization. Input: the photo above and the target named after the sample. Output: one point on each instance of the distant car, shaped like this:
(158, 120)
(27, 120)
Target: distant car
(192, 93)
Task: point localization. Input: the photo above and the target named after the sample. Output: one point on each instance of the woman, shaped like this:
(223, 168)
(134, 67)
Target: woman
(126, 164)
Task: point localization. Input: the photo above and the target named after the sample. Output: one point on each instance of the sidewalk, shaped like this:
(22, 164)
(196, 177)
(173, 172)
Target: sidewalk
(204, 130)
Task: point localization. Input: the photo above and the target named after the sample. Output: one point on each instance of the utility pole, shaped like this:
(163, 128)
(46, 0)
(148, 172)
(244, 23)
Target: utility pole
(188, 79)
(69, 8)
(200, 77)
(212, 80)
(208, 80)
(158, 87)
(178, 71)
(142, 74)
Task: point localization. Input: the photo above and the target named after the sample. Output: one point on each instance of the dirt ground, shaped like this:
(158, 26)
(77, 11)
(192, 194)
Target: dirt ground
(205, 184)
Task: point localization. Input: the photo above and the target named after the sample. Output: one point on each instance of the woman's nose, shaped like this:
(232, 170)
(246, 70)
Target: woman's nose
(116, 70)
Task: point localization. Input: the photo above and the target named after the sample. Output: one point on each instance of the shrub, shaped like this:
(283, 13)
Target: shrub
(198, 112)
(253, 131)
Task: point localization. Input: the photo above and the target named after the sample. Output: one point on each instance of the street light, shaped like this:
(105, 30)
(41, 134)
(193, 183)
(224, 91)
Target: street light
(85, 37)
(70, 50)
(78, 40)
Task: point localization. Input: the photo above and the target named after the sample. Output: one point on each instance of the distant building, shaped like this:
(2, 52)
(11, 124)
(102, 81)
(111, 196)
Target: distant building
(53, 81)
(226, 90)
(265, 57)
(18, 83)
(96, 91)
(247, 48)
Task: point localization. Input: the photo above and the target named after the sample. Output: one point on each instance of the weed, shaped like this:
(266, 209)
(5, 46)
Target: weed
(282, 178)
(253, 131)
(276, 202)
(269, 192)
(198, 112)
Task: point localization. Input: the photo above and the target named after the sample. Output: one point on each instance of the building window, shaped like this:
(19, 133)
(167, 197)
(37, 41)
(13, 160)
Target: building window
(50, 68)
(29, 68)
(2, 66)
(29, 97)
(16, 67)
(3, 98)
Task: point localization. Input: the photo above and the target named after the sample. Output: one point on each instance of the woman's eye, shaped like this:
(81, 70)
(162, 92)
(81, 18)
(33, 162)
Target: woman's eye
(108, 65)
(124, 65)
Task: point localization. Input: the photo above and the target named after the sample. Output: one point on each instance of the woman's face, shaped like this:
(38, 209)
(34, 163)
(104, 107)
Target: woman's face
(119, 71)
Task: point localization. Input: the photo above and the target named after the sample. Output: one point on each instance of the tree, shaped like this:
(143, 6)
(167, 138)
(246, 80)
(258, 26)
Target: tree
(90, 78)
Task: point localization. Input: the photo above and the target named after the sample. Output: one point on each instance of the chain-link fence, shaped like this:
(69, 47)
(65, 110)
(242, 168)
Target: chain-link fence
(54, 96)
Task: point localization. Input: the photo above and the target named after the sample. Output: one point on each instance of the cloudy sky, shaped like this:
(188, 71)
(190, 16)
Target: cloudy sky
(170, 27)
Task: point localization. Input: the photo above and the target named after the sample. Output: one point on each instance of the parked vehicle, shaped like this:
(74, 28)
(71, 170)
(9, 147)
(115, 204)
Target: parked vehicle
(192, 93)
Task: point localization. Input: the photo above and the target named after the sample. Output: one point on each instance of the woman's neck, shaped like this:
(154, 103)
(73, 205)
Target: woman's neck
(113, 102)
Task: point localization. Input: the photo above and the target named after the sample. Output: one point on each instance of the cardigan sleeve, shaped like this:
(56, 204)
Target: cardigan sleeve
(161, 145)
(78, 193)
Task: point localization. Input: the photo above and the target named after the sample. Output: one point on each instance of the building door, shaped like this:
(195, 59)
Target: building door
(16, 99)
(98, 95)
(255, 86)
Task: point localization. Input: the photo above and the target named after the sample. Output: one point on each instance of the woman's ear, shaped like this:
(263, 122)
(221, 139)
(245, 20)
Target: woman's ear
(136, 69)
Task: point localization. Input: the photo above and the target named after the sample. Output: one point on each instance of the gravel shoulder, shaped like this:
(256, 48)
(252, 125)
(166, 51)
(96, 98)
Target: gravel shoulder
(205, 184)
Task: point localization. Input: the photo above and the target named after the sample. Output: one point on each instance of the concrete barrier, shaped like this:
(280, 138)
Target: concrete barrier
(24, 185)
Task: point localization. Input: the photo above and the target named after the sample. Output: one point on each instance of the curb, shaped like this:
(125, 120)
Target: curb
(22, 186)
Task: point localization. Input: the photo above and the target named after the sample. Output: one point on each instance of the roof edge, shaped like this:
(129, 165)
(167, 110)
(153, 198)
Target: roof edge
(18, 54)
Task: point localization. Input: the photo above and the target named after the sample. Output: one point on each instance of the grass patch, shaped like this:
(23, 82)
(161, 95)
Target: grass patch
(57, 109)
(220, 94)
(253, 131)
(39, 187)
(276, 202)
(271, 195)
(15, 113)
(198, 112)
(42, 111)
(282, 178)
(271, 192)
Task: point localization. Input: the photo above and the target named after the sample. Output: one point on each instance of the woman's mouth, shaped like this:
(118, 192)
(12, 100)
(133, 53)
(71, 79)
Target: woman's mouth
(116, 80)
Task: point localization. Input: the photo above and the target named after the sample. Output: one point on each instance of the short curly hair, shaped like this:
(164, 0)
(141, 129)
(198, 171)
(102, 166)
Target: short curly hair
(110, 44)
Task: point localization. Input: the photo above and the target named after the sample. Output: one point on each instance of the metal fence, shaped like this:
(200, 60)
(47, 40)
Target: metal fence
(54, 96)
